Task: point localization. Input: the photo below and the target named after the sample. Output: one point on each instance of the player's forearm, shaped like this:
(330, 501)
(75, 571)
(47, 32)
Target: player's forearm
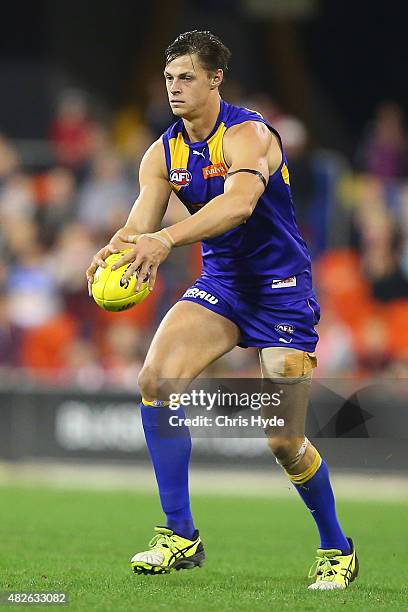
(149, 209)
(144, 220)
(223, 213)
(137, 225)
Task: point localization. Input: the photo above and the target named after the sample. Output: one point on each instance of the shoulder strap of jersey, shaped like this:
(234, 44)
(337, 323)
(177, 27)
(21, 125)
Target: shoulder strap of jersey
(170, 133)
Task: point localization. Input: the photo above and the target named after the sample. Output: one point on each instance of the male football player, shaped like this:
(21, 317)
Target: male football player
(228, 167)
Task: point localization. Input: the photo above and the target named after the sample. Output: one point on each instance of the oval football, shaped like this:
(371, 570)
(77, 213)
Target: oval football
(111, 293)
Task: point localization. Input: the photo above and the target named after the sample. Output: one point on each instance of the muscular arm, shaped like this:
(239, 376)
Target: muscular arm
(248, 145)
(148, 210)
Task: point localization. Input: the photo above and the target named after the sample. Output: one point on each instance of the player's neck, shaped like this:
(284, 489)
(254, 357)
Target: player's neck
(201, 125)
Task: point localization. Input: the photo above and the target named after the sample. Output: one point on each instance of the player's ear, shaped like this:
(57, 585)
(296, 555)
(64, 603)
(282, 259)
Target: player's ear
(216, 79)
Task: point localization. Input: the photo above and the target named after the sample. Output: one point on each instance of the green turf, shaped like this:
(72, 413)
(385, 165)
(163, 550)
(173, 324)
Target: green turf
(258, 553)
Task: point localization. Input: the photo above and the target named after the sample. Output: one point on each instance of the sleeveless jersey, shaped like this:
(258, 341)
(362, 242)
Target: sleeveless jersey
(265, 257)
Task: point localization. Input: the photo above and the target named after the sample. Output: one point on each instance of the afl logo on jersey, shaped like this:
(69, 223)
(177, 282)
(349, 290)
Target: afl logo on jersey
(180, 177)
(285, 328)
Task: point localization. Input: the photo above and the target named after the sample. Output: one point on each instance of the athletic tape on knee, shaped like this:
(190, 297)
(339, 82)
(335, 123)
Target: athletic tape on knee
(291, 463)
(286, 365)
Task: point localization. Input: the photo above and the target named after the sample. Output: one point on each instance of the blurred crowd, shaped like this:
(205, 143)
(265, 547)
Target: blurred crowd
(55, 216)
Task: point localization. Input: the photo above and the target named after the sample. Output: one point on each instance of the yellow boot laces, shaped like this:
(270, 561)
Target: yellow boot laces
(323, 567)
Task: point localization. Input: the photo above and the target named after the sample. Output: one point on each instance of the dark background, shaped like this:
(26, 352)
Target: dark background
(330, 66)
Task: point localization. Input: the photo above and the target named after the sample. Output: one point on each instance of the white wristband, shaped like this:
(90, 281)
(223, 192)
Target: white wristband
(162, 236)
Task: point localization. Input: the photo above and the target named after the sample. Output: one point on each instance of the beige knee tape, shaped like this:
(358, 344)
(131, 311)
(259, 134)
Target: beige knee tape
(282, 362)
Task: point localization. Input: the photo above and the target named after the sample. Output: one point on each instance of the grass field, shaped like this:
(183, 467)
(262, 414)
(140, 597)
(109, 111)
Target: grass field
(258, 552)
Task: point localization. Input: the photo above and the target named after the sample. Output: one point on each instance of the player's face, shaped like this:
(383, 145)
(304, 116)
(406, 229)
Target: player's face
(188, 85)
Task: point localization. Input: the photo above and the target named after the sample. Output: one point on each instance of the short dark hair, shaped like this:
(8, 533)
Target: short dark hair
(212, 53)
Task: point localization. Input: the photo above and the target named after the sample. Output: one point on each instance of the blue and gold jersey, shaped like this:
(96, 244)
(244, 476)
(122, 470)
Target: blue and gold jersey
(264, 256)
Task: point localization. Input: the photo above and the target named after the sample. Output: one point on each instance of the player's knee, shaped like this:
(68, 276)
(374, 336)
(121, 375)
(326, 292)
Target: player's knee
(284, 448)
(148, 380)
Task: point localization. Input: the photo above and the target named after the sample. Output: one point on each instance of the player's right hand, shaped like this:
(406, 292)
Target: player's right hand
(115, 246)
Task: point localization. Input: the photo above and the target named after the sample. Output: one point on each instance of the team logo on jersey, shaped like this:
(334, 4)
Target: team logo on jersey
(180, 177)
(214, 170)
(285, 328)
(280, 283)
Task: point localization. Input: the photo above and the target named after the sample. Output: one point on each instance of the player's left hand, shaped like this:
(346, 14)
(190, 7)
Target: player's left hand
(147, 254)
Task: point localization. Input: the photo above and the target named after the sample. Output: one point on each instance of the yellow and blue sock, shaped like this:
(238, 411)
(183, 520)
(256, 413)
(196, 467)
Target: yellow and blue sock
(314, 487)
(170, 451)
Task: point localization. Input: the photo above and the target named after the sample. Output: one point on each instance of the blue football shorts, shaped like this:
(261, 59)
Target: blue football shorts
(261, 324)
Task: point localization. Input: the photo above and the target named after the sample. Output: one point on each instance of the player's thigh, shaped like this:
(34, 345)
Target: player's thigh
(287, 372)
(189, 338)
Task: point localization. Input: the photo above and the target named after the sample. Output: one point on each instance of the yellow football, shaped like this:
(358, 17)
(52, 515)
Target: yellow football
(111, 293)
